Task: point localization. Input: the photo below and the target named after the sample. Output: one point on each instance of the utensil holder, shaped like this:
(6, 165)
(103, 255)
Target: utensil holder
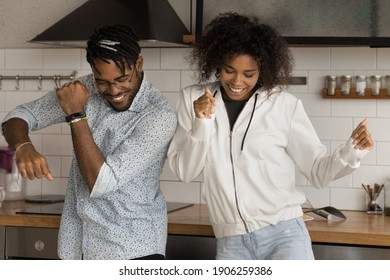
(375, 204)
(386, 193)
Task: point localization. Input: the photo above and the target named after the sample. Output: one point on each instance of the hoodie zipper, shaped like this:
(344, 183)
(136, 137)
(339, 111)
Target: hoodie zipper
(231, 157)
(232, 162)
(235, 184)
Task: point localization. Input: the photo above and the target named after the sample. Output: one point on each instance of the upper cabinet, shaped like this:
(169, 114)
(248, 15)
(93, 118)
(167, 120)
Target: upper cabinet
(314, 22)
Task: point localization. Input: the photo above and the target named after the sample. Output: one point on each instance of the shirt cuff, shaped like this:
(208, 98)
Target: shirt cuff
(351, 156)
(105, 182)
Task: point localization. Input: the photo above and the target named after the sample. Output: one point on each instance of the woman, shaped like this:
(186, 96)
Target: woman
(246, 135)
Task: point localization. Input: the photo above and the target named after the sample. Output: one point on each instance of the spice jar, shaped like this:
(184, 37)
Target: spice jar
(331, 83)
(361, 84)
(345, 84)
(375, 84)
(387, 85)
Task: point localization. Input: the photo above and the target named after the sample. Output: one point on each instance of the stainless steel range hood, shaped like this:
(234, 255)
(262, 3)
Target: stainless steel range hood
(315, 22)
(154, 21)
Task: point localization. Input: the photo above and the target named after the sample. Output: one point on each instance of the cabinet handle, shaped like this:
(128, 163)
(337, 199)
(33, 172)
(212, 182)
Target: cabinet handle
(39, 245)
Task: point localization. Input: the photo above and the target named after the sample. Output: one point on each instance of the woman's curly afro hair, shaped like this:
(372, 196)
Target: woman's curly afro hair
(229, 35)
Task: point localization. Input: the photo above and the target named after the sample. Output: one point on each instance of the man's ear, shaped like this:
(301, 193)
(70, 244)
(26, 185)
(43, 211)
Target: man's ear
(139, 63)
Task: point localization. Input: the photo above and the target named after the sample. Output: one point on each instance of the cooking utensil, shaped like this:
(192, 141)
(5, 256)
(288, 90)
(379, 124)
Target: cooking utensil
(327, 212)
(323, 214)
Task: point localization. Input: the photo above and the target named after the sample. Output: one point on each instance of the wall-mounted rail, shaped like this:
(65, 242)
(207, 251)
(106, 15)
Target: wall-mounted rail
(55, 78)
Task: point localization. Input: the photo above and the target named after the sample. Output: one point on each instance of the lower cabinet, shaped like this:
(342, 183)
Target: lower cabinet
(2, 242)
(41, 243)
(323, 251)
(184, 247)
(181, 247)
(30, 243)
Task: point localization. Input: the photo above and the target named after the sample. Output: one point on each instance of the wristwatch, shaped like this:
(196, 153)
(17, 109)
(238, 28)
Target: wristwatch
(75, 116)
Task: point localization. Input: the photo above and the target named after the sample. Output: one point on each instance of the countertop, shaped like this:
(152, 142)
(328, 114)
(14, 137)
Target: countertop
(359, 228)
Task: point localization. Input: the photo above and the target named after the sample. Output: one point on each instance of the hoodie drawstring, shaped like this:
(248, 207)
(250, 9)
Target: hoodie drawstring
(250, 120)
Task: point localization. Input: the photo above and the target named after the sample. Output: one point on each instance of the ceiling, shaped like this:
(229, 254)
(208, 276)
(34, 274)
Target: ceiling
(22, 20)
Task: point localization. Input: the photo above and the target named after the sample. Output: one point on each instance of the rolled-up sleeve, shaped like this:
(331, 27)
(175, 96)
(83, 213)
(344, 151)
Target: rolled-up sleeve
(105, 182)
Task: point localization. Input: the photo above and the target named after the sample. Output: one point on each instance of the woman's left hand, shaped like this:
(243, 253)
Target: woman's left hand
(362, 137)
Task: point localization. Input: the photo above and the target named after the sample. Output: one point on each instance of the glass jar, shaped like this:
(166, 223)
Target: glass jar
(387, 84)
(361, 84)
(12, 182)
(375, 81)
(375, 198)
(346, 84)
(331, 83)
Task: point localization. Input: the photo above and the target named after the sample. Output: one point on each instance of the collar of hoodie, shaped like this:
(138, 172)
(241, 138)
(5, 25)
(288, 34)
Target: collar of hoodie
(255, 96)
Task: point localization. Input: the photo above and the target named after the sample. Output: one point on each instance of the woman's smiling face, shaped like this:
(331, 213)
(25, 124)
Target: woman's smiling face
(239, 76)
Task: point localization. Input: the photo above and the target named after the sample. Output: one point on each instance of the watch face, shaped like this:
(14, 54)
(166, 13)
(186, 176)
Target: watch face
(75, 116)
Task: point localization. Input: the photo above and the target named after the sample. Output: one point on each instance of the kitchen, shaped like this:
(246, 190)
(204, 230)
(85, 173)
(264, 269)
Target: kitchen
(168, 70)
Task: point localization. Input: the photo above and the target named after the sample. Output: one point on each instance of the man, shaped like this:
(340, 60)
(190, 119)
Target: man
(120, 127)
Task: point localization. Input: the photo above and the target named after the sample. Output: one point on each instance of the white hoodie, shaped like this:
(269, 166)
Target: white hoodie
(249, 180)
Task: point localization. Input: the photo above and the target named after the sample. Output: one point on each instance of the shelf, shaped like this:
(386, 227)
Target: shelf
(353, 95)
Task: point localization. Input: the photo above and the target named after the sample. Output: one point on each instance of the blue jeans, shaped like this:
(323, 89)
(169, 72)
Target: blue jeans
(287, 240)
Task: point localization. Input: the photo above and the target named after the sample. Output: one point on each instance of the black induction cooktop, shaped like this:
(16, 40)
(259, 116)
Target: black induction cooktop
(45, 198)
(43, 209)
(56, 208)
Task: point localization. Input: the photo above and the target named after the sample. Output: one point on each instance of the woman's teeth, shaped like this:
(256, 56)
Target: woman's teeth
(236, 90)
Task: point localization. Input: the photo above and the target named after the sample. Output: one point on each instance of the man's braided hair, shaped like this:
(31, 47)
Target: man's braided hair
(117, 42)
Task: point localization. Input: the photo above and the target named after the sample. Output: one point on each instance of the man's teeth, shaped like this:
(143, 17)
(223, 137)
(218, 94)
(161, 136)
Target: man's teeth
(119, 98)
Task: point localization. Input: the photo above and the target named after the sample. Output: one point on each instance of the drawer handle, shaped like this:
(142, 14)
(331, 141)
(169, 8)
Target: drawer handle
(39, 245)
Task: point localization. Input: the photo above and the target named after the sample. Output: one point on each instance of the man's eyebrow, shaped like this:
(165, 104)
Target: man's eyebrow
(123, 76)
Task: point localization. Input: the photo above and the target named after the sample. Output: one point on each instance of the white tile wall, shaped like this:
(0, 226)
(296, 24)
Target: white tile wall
(169, 71)
(23, 59)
